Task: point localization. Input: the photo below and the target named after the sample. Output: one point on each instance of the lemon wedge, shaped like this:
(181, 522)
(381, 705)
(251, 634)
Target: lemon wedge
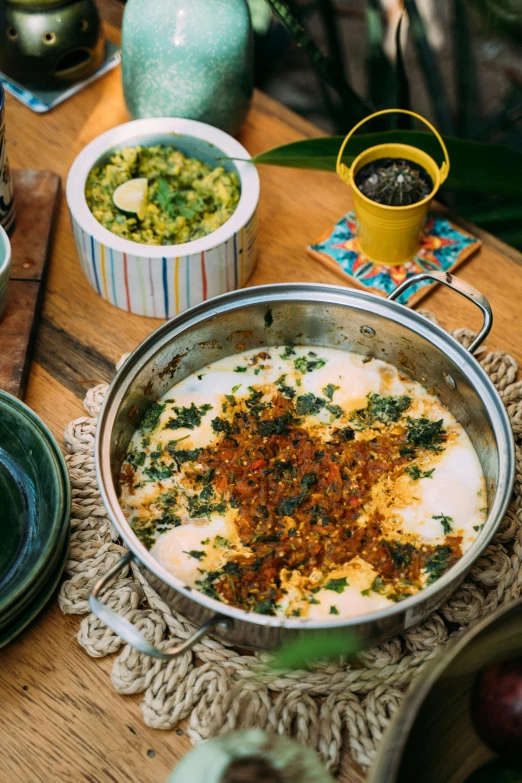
(131, 197)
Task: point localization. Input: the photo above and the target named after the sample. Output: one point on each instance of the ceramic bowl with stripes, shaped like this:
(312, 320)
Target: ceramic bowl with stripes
(162, 281)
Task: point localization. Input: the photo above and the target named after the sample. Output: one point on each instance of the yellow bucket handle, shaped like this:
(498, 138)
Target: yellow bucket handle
(344, 171)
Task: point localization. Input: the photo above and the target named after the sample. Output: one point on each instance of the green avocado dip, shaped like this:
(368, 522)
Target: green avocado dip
(186, 199)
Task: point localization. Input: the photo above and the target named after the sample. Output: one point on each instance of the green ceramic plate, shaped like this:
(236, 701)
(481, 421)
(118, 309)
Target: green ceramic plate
(32, 594)
(45, 593)
(35, 503)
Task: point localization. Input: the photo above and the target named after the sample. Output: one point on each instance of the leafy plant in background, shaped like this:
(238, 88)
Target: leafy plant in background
(485, 184)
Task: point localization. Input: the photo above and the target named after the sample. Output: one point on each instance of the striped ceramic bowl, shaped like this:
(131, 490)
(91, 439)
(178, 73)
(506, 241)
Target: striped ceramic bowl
(163, 281)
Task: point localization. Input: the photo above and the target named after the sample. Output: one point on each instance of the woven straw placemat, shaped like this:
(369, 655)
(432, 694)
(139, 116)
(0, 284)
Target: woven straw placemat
(221, 689)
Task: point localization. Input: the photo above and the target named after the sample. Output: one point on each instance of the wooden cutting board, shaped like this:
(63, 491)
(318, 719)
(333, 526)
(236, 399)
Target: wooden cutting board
(36, 197)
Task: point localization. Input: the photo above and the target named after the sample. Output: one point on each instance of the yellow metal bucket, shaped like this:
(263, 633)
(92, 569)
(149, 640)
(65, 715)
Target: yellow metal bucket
(386, 234)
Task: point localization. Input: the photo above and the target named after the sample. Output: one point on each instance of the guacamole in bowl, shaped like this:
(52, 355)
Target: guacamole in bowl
(186, 198)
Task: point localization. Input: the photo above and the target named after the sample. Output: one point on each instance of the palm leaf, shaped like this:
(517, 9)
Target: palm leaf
(492, 213)
(503, 17)
(475, 167)
(403, 85)
(430, 69)
(468, 98)
(381, 75)
(354, 107)
(327, 11)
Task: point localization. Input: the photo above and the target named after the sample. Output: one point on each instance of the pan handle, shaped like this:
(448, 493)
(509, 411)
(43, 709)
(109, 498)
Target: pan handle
(456, 284)
(126, 629)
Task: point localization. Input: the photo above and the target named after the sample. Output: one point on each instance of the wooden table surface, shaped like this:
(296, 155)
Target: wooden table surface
(61, 719)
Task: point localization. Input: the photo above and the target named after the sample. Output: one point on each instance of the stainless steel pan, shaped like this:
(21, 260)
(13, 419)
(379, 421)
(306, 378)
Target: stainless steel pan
(310, 314)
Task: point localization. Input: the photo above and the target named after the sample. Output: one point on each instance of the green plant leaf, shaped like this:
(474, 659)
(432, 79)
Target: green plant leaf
(475, 167)
(468, 96)
(502, 17)
(494, 213)
(380, 71)
(313, 646)
(430, 68)
(354, 107)
(403, 85)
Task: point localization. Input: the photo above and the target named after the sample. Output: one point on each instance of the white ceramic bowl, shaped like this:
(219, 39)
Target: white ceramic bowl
(5, 267)
(162, 281)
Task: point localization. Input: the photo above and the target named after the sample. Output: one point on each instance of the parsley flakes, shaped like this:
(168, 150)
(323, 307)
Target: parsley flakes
(190, 418)
(303, 364)
(337, 585)
(446, 523)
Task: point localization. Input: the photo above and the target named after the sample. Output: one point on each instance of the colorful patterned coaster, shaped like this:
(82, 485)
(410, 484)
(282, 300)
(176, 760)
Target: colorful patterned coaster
(443, 248)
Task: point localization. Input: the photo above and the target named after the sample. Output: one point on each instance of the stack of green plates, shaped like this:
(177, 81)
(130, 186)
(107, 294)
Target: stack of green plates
(35, 501)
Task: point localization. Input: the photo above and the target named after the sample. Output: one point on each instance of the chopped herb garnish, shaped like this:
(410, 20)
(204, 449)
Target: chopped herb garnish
(313, 600)
(235, 388)
(136, 459)
(438, 563)
(295, 613)
(278, 426)
(286, 391)
(198, 505)
(401, 554)
(335, 410)
(206, 585)
(159, 472)
(265, 607)
(309, 479)
(205, 541)
(384, 409)
(329, 390)
(446, 523)
(337, 585)
(288, 352)
(416, 473)
(144, 529)
(309, 404)
(221, 425)
(240, 369)
(426, 434)
(378, 585)
(197, 553)
(303, 364)
(365, 592)
(188, 417)
(183, 455)
(269, 318)
(286, 507)
(152, 416)
(334, 610)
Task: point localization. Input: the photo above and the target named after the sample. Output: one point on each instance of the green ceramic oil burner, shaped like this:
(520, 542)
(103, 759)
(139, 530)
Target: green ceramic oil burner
(188, 58)
(49, 43)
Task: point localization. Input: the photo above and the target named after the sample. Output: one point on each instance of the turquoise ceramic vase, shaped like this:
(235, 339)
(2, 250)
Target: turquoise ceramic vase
(188, 58)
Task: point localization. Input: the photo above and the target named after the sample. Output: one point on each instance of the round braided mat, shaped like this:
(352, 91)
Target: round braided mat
(221, 689)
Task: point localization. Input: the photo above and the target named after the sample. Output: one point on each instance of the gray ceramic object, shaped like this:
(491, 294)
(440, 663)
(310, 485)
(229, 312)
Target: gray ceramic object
(50, 43)
(182, 58)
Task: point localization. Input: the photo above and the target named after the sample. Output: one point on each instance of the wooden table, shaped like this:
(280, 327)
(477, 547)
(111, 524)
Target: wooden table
(61, 719)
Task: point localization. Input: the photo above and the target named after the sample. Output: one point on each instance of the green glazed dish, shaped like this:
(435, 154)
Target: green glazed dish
(34, 509)
(40, 599)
